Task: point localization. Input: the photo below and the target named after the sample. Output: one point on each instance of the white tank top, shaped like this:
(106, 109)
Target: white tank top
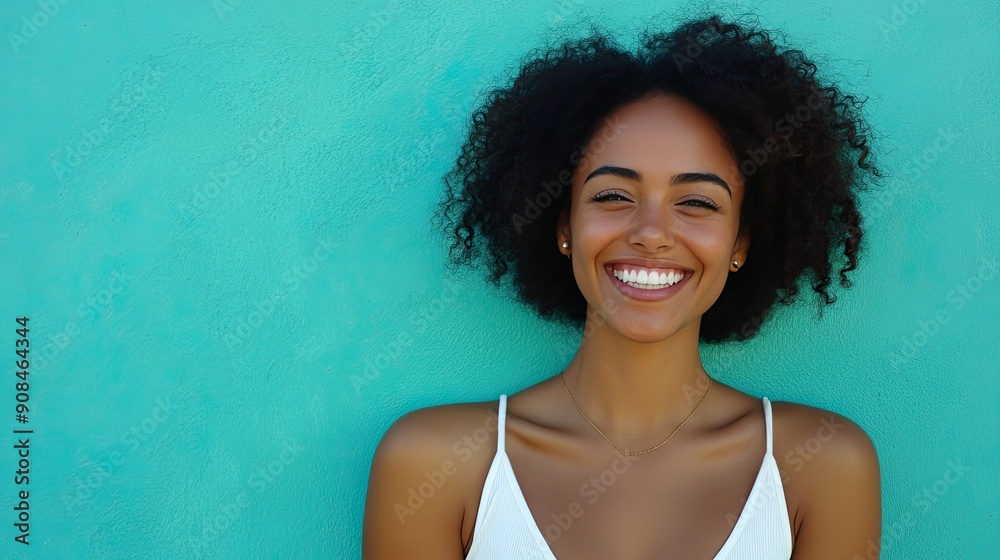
(505, 528)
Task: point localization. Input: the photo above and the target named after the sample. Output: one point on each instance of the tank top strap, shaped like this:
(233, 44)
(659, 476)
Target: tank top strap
(501, 421)
(767, 423)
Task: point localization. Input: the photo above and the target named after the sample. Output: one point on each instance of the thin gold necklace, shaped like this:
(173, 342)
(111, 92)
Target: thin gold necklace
(563, 378)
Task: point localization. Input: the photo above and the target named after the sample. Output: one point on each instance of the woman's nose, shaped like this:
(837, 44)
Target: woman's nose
(652, 230)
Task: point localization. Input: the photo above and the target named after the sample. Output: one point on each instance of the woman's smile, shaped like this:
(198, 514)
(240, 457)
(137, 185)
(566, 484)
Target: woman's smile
(644, 288)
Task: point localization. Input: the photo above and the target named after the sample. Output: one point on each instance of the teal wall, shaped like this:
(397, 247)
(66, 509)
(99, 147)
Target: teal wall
(215, 214)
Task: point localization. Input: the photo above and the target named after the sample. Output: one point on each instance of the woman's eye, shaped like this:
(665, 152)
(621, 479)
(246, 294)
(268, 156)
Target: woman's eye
(701, 202)
(608, 196)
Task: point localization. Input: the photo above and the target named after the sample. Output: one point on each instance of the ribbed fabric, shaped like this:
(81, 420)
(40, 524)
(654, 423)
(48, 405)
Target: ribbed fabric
(505, 528)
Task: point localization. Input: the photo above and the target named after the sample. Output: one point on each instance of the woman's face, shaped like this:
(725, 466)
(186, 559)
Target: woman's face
(657, 192)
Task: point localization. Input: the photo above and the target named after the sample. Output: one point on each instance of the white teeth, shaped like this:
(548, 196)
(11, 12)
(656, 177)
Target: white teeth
(650, 280)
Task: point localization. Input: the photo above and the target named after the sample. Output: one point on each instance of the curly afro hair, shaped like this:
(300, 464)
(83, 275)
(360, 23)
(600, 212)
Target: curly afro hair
(801, 145)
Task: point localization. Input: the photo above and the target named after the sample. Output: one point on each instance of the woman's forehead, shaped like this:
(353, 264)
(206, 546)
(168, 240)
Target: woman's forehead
(660, 136)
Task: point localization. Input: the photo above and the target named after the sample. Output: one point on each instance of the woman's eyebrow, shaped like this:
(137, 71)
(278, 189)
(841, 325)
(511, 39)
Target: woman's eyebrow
(622, 172)
(679, 179)
(700, 177)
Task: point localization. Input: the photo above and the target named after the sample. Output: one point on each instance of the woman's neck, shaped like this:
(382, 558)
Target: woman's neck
(637, 391)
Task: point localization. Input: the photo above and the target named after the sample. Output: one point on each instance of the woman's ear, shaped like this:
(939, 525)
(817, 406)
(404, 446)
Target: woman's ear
(562, 230)
(742, 247)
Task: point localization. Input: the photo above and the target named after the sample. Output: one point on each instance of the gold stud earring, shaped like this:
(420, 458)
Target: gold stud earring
(565, 245)
(736, 266)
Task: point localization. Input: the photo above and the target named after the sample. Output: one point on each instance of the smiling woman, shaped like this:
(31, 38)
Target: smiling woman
(691, 186)
(662, 187)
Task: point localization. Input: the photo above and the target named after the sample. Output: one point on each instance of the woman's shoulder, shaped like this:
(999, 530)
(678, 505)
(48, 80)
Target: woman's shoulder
(809, 432)
(439, 430)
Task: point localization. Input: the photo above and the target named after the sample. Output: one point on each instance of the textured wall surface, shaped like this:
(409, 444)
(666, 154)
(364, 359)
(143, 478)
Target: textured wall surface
(215, 214)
